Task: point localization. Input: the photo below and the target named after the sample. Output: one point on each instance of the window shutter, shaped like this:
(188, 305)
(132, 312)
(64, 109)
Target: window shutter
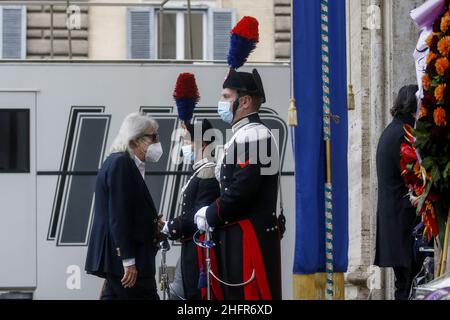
(221, 23)
(13, 32)
(140, 33)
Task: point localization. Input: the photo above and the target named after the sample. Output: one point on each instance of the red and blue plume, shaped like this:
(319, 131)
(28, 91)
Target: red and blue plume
(186, 96)
(244, 37)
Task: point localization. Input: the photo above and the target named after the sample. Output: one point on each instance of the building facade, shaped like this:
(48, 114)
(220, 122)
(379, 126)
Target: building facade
(114, 30)
(381, 39)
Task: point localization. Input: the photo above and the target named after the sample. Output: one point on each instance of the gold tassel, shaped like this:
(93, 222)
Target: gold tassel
(351, 98)
(292, 114)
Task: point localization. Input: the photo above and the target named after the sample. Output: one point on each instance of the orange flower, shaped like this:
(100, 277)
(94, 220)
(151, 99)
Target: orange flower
(423, 112)
(440, 117)
(445, 23)
(444, 46)
(429, 40)
(426, 82)
(442, 64)
(439, 92)
(431, 57)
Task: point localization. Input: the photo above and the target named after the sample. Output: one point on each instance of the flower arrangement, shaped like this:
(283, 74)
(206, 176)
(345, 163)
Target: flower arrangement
(419, 183)
(428, 176)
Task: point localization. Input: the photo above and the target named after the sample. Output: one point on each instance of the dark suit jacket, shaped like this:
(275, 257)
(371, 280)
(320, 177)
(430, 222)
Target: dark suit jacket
(125, 220)
(396, 217)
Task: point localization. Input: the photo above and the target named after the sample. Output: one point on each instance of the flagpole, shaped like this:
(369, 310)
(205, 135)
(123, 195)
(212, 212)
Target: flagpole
(329, 291)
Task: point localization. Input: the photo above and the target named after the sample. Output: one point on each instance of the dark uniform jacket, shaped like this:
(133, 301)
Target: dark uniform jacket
(201, 191)
(125, 220)
(247, 194)
(396, 218)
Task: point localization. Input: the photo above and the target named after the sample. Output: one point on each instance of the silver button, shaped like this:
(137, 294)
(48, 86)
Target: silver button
(226, 222)
(171, 222)
(174, 231)
(276, 227)
(274, 214)
(226, 189)
(273, 229)
(268, 230)
(184, 195)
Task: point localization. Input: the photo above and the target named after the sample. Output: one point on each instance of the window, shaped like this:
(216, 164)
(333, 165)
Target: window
(14, 140)
(222, 21)
(167, 44)
(210, 34)
(197, 35)
(175, 30)
(141, 33)
(12, 32)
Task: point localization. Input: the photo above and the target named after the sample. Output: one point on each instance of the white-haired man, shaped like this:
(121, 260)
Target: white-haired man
(125, 231)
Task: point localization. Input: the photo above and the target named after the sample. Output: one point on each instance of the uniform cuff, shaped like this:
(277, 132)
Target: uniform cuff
(213, 215)
(129, 262)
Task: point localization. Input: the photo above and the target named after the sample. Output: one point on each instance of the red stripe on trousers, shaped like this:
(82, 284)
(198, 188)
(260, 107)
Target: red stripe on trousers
(258, 289)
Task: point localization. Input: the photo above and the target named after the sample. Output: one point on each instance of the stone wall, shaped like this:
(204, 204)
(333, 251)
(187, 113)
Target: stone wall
(263, 10)
(39, 34)
(282, 29)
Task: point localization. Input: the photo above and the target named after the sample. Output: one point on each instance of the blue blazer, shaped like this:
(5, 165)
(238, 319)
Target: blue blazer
(125, 220)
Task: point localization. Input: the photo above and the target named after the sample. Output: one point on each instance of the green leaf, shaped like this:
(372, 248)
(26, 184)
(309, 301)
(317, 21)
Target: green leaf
(435, 174)
(446, 172)
(428, 162)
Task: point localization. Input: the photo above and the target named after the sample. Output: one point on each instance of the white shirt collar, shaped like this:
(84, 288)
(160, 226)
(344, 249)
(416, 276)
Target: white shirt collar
(140, 165)
(241, 122)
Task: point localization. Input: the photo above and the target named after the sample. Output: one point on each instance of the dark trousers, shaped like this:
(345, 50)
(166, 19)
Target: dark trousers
(403, 281)
(144, 289)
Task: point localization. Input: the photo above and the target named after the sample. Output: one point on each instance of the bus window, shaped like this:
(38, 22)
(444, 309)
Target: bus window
(14, 141)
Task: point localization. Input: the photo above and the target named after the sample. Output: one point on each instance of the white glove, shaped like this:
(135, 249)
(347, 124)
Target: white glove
(165, 230)
(200, 219)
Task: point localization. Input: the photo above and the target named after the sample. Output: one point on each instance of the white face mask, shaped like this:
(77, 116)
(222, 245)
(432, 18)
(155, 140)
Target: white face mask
(154, 152)
(188, 154)
(224, 111)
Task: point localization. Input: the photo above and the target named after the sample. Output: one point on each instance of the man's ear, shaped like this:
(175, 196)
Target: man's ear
(248, 102)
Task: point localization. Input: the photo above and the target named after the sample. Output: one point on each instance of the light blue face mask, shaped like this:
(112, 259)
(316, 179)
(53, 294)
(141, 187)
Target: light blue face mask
(224, 110)
(188, 154)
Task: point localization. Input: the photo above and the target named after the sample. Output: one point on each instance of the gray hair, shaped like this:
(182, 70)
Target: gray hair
(133, 126)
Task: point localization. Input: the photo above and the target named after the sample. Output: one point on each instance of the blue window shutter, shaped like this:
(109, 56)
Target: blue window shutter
(13, 33)
(221, 22)
(141, 33)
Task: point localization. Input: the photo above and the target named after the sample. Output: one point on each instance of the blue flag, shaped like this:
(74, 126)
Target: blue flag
(310, 153)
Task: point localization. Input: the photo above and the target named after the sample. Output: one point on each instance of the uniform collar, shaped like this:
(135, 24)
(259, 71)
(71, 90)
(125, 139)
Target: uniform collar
(200, 163)
(252, 117)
